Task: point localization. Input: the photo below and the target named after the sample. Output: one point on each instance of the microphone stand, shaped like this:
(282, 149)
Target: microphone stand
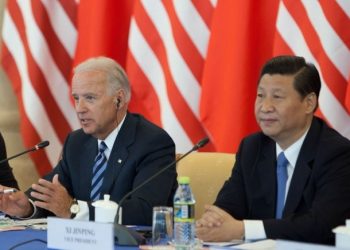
(126, 236)
(36, 147)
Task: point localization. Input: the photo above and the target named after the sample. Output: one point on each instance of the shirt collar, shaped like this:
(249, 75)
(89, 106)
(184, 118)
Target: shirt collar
(292, 152)
(110, 139)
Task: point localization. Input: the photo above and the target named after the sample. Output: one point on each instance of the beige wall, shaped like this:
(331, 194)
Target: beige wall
(23, 167)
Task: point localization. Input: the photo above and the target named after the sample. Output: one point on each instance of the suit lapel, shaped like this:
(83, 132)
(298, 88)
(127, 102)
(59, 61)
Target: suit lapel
(87, 163)
(264, 174)
(119, 154)
(303, 168)
(299, 180)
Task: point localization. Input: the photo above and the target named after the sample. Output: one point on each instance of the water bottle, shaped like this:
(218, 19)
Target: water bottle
(184, 224)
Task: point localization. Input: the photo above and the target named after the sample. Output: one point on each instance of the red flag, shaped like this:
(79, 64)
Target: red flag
(103, 28)
(103, 31)
(241, 41)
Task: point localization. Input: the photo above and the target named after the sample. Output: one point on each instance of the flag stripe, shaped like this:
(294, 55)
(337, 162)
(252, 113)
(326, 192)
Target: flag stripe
(188, 121)
(39, 39)
(59, 53)
(140, 49)
(338, 19)
(167, 34)
(280, 47)
(44, 59)
(145, 92)
(334, 79)
(32, 72)
(29, 134)
(205, 9)
(186, 47)
(70, 8)
(177, 66)
(64, 28)
(194, 25)
(213, 2)
(334, 47)
(28, 94)
(345, 4)
(61, 23)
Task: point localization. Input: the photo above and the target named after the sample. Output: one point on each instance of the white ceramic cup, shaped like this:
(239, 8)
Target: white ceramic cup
(106, 210)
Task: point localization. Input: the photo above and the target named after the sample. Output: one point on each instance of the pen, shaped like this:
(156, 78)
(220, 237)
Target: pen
(7, 191)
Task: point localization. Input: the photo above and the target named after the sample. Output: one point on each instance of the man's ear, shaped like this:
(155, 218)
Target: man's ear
(117, 103)
(311, 102)
(119, 98)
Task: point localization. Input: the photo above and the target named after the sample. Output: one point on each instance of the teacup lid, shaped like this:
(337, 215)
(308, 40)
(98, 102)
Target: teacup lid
(105, 203)
(342, 230)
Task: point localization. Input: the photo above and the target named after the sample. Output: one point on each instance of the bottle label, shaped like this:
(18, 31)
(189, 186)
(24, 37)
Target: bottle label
(184, 212)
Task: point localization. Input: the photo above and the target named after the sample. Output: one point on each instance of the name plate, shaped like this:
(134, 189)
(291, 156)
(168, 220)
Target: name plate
(75, 234)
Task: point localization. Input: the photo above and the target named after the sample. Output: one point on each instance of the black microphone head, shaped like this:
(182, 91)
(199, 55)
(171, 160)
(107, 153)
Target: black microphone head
(42, 144)
(201, 143)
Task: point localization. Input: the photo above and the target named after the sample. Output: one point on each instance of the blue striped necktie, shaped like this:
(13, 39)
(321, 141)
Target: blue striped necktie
(98, 169)
(282, 177)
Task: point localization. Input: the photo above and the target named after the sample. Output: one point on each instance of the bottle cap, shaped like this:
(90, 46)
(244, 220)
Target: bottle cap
(184, 180)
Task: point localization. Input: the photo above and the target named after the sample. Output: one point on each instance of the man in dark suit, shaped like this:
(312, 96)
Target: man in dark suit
(314, 197)
(113, 153)
(6, 175)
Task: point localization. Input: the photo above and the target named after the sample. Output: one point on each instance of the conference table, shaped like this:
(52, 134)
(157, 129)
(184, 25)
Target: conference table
(32, 239)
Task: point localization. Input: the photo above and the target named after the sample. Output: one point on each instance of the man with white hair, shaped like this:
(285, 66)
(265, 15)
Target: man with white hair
(112, 153)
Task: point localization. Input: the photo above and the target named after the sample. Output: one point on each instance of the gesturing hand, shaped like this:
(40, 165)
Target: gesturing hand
(52, 196)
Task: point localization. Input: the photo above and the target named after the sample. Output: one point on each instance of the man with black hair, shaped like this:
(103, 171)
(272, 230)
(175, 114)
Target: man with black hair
(292, 179)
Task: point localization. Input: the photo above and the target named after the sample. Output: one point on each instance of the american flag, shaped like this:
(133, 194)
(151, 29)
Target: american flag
(39, 42)
(318, 31)
(193, 65)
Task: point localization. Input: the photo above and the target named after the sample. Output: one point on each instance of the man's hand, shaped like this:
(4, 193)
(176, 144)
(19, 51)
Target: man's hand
(217, 225)
(52, 196)
(15, 204)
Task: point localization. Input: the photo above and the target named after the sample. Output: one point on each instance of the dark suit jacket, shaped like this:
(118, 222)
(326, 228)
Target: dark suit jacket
(140, 150)
(319, 194)
(6, 175)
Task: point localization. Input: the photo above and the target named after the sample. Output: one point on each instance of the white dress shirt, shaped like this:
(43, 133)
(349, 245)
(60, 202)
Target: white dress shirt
(254, 229)
(83, 213)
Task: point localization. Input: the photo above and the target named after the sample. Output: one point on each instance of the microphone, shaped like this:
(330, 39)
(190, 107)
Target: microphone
(199, 145)
(38, 146)
(126, 236)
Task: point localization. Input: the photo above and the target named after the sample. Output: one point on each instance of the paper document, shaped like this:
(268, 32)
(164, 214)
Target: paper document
(261, 245)
(7, 224)
(223, 244)
(291, 245)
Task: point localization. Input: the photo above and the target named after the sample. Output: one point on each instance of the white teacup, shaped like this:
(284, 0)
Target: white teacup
(106, 210)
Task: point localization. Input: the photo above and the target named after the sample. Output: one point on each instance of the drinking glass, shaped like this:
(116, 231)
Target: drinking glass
(162, 225)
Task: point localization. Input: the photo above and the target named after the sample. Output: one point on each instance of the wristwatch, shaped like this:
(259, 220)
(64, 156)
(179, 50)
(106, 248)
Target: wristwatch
(74, 208)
